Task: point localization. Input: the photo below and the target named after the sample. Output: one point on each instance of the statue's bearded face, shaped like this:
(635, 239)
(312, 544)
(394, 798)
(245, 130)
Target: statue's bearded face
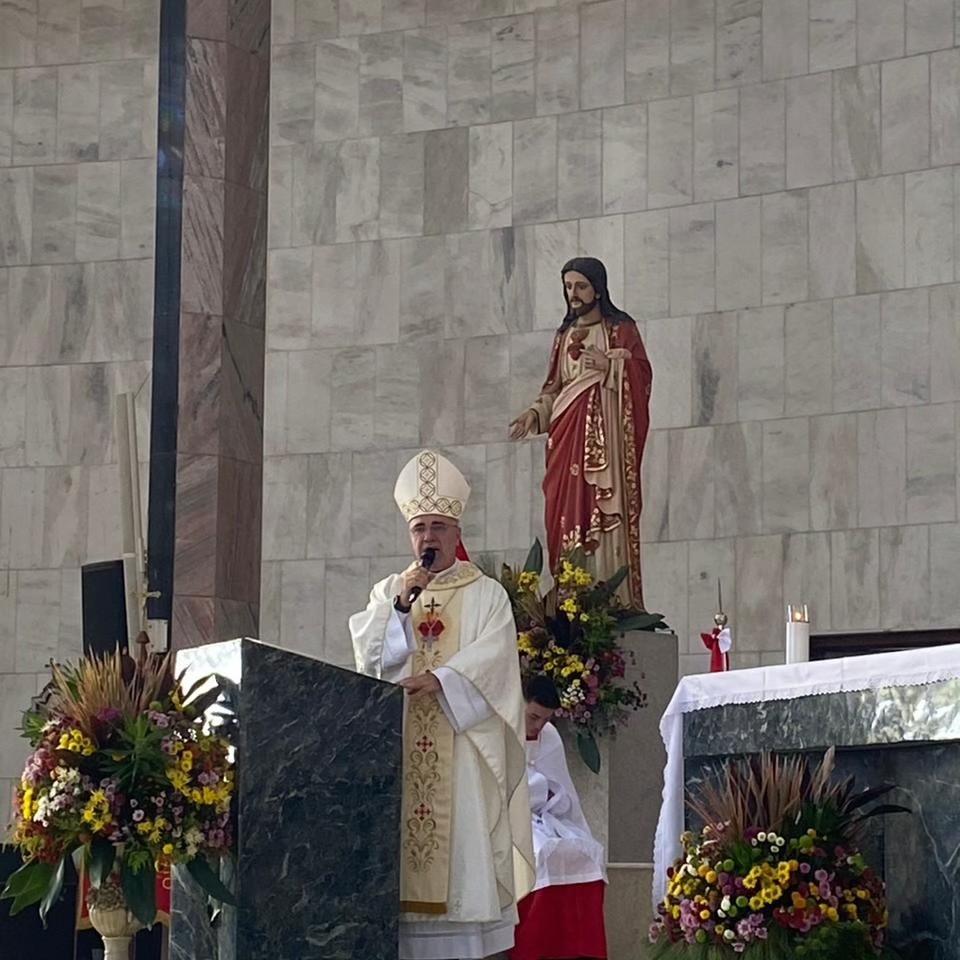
(581, 297)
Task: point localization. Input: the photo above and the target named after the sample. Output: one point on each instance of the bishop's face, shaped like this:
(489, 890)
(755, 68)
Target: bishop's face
(440, 533)
(581, 297)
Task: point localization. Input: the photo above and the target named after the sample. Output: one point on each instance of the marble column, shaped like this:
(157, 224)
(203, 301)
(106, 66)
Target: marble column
(219, 463)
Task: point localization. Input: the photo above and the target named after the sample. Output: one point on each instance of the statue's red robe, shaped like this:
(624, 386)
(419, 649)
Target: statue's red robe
(597, 425)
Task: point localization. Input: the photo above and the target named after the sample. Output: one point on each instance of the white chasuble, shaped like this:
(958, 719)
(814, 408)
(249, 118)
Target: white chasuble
(490, 853)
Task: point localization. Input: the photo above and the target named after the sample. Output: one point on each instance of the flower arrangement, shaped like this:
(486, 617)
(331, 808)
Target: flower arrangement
(125, 774)
(570, 633)
(776, 871)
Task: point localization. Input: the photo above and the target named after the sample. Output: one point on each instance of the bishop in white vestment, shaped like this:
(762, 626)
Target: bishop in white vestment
(447, 635)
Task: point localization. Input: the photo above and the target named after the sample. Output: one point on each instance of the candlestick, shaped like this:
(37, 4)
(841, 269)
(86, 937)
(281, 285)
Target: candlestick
(798, 634)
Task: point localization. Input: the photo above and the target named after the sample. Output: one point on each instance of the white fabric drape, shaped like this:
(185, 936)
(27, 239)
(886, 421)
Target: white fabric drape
(565, 849)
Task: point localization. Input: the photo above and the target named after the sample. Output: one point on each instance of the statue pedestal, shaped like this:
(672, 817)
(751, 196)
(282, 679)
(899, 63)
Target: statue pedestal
(316, 874)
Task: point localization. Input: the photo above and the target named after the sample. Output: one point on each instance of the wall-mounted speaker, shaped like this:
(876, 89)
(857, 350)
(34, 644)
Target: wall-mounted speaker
(104, 607)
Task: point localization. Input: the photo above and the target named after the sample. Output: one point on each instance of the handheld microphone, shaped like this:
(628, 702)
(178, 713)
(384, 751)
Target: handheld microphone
(426, 561)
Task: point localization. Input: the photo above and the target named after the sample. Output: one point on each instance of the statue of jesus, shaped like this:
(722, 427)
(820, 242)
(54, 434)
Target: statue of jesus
(594, 407)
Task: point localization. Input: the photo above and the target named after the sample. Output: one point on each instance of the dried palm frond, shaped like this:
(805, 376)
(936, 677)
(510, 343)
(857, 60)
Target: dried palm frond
(111, 683)
(761, 791)
(771, 791)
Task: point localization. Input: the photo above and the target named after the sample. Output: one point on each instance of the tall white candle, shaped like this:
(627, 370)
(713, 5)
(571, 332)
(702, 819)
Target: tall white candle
(798, 634)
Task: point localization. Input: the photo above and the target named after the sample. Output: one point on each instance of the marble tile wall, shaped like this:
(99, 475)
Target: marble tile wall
(775, 188)
(78, 118)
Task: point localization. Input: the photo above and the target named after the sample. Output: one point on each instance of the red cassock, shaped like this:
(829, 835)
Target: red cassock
(577, 447)
(560, 922)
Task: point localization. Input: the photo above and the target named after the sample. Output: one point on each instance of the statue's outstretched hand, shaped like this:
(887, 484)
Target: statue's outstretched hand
(525, 424)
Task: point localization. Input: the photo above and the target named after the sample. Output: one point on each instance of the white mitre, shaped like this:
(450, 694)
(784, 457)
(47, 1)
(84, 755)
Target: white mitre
(430, 483)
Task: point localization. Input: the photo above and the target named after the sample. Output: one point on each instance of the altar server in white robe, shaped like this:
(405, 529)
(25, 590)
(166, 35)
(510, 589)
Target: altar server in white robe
(447, 635)
(563, 916)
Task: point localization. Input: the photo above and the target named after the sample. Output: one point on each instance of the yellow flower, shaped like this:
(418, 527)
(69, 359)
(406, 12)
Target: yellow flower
(756, 903)
(832, 914)
(168, 848)
(528, 581)
(28, 803)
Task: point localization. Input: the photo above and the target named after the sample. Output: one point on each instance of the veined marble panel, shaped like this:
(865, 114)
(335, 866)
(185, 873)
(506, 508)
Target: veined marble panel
(929, 230)
(808, 327)
(758, 617)
(882, 467)
(490, 195)
(715, 351)
(880, 29)
(929, 25)
(624, 142)
(469, 66)
(647, 50)
(761, 363)
(785, 38)
(944, 107)
(668, 343)
(931, 463)
(558, 61)
(739, 253)
(380, 102)
(739, 41)
(602, 52)
(905, 114)
(785, 247)
(945, 343)
(692, 259)
(905, 347)
(692, 46)
(786, 475)
(534, 170)
(856, 353)
(806, 575)
(833, 472)
(880, 247)
(833, 241)
(738, 481)
(647, 266)
(809, 133)
(513, 68)
(670, 156)
(904, 577)
(690, 454)
(763, 158)
(856, 122)
(715, 133)
(424, 79)
(833, 34)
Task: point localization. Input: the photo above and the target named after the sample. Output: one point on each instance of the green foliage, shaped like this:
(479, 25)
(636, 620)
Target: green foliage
(139, 883)
(588, 749)
(101, 860)
(209, 880)
(28, 885)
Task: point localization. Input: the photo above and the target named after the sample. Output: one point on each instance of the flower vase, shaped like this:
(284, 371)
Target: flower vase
(110, 917)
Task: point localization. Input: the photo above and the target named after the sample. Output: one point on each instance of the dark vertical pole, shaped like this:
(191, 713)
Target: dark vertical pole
(166, 309)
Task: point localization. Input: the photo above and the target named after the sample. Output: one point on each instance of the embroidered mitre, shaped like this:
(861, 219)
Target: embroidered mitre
(430, 483)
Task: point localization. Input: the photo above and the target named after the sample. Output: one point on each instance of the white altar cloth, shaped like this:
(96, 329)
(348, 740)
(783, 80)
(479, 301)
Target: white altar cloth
(782, 682)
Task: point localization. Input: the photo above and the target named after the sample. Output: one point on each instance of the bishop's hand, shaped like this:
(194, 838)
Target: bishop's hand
(422, 685)
(524, 425)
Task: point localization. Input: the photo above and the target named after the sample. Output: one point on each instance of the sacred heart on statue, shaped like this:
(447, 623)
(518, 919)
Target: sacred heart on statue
(575, 347)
